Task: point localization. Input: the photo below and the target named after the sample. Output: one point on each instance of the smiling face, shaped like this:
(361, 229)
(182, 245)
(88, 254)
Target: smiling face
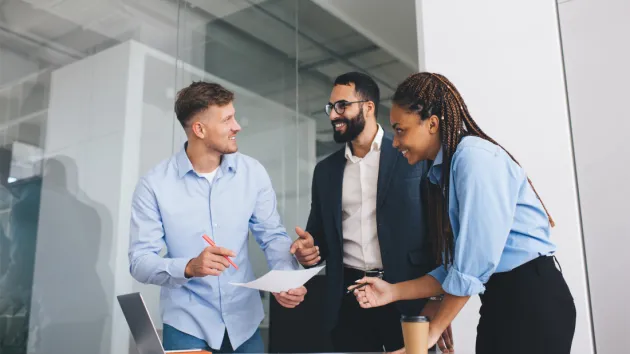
(217, 127)
(416, 139)
(346, 113)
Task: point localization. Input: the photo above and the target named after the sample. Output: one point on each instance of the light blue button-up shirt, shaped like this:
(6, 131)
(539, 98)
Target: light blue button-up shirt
(173, 206)
(498, 222)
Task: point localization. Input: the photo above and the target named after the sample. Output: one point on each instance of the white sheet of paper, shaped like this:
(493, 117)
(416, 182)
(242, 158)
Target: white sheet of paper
(277, 281)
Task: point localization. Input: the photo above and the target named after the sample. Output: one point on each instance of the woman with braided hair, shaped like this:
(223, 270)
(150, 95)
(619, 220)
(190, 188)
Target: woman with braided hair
(489, 227)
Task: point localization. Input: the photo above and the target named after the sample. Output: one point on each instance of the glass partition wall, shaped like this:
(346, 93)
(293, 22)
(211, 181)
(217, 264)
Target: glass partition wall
(86, 107)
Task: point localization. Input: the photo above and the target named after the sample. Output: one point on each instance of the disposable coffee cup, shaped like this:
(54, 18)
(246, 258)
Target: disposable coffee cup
(415, 334)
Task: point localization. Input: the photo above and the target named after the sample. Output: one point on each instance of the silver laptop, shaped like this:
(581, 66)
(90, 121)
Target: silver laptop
(141, 325)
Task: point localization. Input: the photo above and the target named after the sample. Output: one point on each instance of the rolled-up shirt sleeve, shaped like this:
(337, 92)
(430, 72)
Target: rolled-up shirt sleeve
(484, 191)
(439, 274)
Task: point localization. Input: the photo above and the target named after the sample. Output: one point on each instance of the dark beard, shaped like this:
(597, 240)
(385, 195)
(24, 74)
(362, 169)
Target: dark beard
(354, 127)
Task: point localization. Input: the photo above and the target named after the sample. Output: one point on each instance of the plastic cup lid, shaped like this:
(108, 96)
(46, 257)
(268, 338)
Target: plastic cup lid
(404, 318)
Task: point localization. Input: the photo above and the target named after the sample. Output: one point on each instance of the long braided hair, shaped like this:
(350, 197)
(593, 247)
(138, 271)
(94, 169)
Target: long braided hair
(429, 94)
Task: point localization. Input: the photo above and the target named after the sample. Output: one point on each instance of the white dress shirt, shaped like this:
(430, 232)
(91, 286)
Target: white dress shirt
(361, 249)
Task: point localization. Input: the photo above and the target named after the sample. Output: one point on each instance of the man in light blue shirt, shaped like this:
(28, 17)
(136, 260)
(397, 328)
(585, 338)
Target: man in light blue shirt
(208, 188)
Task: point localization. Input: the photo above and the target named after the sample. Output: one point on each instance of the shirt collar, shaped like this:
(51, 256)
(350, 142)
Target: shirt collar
(435, 172)
(228, 162)
(376, 145)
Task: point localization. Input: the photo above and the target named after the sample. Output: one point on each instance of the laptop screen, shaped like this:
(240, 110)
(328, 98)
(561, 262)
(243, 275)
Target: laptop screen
(140, 324)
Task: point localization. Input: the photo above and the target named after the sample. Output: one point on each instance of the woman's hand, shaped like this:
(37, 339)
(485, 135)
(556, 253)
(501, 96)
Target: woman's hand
(445, 340)
(434, 336)
(376, 293)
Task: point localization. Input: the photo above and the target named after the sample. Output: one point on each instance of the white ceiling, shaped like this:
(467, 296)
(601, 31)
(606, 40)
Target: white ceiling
(391, 27)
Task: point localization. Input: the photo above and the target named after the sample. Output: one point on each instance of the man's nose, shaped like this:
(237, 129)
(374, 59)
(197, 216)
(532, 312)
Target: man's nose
(334, 115)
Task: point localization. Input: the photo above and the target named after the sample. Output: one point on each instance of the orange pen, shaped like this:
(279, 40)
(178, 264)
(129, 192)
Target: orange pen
(211, 243)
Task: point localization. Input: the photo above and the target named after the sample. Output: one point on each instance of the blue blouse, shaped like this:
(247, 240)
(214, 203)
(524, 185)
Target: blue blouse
(498, 222)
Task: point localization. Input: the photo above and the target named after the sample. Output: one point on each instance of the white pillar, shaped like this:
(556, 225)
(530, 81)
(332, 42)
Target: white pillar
(505, 59)
(91, 149)
(109, 121)
(596, 59)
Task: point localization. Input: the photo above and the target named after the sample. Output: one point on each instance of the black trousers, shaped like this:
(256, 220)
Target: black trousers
(527, 310)
(365, 330)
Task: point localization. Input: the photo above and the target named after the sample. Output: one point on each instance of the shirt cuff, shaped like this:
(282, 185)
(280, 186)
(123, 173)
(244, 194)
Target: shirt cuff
(176, 268)
(460, 284)
(439, 274)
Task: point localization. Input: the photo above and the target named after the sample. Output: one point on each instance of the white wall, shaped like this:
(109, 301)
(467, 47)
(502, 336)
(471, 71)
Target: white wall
(505, 59)
(596, 43)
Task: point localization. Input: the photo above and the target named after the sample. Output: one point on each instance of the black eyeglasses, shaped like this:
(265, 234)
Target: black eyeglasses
(340, 106)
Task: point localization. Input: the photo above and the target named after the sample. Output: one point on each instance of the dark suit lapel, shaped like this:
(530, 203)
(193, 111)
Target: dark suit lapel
(387, 163)
(338, 165)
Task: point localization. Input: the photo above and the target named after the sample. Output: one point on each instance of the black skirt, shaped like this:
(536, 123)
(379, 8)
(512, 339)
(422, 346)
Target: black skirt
(527, 310)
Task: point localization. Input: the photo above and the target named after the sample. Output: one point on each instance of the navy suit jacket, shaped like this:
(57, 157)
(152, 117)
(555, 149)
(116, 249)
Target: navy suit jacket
(405, 249)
